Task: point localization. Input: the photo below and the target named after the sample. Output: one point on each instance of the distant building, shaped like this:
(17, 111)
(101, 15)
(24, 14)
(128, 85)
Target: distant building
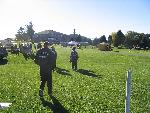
(57, 37)
(49, 35)
(73, 43)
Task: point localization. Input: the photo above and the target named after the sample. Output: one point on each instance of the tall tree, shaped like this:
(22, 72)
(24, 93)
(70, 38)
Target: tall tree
(20, 34)
(114, 39)
(102, 39)
(120, 37)
(30, 31)
(110, 39)
(132, 39)
(144, 41)
(148, 39)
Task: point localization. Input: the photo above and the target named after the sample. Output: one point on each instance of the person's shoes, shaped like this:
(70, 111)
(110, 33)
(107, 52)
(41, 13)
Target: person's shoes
(41, 93)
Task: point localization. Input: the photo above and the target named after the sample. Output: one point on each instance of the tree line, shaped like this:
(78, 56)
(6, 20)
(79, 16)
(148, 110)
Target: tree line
(130, 40)
(25, 33)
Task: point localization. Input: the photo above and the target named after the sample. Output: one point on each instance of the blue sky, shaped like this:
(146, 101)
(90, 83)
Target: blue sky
(90, 18)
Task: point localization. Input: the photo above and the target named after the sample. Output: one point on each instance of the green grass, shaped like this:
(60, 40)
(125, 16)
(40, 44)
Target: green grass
(78, 92)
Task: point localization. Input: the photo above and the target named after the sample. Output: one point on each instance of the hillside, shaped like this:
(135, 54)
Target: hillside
(60, 37)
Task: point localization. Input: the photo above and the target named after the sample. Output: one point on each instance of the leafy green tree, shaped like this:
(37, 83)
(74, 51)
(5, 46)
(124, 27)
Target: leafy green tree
(148, 39)
(130, 39)
(20, 34)
(102, 39)
(25, 34)
(134, 39)
(144, 41)
(30, 31)
(114, 39)
(110, 39)
(120, 37)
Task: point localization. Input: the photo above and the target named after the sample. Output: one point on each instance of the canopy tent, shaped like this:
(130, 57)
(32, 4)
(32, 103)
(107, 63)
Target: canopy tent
(72, 43)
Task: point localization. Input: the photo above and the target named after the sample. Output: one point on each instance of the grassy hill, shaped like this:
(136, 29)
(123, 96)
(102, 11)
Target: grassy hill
(97, 87)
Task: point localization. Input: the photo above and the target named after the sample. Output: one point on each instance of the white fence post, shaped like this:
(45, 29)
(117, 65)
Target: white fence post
(128, 92)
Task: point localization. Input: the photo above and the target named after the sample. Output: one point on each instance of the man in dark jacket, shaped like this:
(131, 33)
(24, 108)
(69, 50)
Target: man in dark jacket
(44, 58)
(74, 58)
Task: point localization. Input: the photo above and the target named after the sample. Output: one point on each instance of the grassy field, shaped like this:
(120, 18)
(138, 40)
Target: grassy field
(97, 87)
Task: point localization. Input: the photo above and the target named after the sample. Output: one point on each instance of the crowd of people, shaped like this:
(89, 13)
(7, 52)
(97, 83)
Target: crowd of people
(45, 57)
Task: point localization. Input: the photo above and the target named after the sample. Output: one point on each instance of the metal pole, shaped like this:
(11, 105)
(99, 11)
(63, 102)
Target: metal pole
(128, 92)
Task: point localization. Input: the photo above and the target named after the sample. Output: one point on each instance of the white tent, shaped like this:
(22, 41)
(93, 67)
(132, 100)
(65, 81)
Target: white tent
(72, 43)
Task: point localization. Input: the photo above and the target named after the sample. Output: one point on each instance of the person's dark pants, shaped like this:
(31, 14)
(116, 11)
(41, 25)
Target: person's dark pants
(46, 77)
(74, 64)
(54, 66)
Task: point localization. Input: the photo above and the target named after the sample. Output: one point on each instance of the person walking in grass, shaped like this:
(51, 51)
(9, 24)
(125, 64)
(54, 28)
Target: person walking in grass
(74, 58)
(44, 58)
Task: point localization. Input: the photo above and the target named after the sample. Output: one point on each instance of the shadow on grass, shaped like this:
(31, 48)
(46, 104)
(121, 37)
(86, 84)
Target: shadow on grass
(87, 72)
(3, 61)
(62, 71)
(56, 107)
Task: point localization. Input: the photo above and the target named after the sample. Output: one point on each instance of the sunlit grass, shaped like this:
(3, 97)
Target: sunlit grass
(98, 86)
